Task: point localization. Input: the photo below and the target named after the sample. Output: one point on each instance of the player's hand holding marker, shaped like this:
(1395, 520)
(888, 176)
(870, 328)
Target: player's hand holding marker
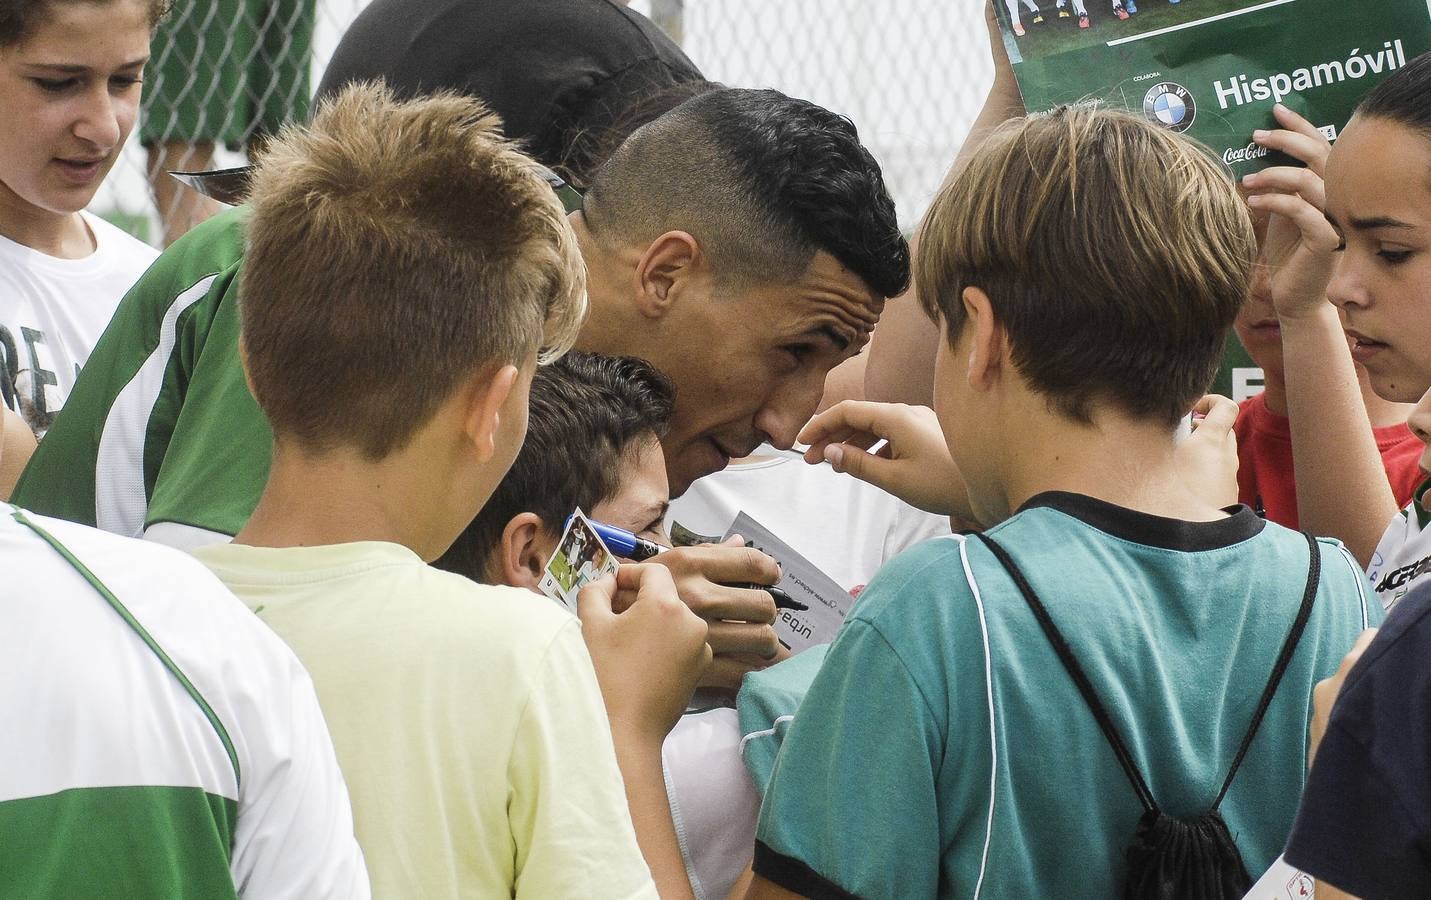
(1299, 240)
(742, 634)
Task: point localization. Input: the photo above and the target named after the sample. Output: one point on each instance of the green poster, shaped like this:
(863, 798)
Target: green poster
(1238, 377)
(1213, 68)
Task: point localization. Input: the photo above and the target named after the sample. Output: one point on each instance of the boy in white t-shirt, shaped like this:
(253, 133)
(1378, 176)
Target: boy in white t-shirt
(159, 741)
(69, 93)
(53, 310)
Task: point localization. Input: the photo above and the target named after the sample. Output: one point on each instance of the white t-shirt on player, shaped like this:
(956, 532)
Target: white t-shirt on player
(844, 526)
(52, 312)
(714, 803)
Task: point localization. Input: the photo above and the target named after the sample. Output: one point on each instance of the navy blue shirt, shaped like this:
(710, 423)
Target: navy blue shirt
(1364, 825)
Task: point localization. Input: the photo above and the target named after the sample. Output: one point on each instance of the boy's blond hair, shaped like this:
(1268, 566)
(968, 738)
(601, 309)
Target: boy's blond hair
(1114, 253)
(395, 249)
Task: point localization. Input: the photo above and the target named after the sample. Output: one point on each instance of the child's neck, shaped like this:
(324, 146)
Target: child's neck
(1381, 413)
(1128, 463)
(61, 235)
(338, 498)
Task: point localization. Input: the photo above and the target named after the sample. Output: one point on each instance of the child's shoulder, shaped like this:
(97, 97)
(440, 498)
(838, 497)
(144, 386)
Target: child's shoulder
(512, 613)
(927, 578)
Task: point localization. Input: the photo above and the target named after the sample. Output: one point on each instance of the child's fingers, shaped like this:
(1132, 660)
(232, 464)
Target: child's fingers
(1310, 150)
(850, 421)
(1293, 121)
(815, 453)
(1317, 232)
(1289, 180)
(595, 600)
(1215, 413)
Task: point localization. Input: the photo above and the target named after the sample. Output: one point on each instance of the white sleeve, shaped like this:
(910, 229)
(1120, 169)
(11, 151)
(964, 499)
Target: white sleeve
(295, 826)
(714, 802)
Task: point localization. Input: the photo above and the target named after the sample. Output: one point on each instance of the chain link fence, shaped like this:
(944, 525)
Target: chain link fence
(911, 74)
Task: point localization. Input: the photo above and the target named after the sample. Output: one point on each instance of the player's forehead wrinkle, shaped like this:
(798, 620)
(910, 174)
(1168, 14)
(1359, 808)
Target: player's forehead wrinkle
(837, 310)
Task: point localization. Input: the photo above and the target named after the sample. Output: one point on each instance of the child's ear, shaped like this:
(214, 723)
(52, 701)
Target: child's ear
(664, 269)
(988, 345)
(243, 361)
(487, 395)
(521, 553)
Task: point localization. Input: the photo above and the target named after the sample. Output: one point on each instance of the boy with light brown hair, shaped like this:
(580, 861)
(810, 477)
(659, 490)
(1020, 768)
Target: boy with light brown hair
(1056, 410)
(404, 265)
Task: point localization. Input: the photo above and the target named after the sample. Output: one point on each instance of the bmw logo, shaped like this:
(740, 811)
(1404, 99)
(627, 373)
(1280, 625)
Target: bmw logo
(1170, 105)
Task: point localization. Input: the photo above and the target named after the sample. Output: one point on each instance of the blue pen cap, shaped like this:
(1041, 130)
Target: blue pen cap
(618, 540)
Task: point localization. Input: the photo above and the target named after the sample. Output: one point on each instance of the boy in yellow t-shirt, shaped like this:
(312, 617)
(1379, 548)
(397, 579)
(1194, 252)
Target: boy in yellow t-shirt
(404, 265)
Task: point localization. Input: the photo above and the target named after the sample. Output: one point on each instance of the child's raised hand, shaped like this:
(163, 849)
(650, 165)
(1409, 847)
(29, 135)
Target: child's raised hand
(1207, 458)
(915, 464)
(1298, 242)
(649, 656)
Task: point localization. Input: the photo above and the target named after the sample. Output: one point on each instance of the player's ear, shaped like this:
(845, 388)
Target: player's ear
(668, 269)
(523, 551)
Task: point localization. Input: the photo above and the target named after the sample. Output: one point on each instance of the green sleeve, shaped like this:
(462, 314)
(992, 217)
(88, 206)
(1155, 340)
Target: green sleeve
(99, 461)
(852, 806)
(766, 706)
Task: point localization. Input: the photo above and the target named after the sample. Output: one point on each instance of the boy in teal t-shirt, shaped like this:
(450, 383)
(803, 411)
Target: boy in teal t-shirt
(943, 750)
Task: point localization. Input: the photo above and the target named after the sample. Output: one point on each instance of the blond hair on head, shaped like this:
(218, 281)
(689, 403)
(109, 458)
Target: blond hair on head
(395, 248)
(1114, 252)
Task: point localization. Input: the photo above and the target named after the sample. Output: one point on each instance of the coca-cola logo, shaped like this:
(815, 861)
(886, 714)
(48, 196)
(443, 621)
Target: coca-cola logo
(1243, 154)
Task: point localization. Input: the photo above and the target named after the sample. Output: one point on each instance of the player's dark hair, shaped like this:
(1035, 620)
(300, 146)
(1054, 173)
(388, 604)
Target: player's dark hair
(590, 148)
(1115, 253)
(19, 18)
(762, 181)
(1404, 97)
(586, 412)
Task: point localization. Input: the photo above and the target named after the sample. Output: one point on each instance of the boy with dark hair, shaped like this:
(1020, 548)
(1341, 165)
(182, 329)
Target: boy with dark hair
(594, 443)
(1059, 399)
(468, 721)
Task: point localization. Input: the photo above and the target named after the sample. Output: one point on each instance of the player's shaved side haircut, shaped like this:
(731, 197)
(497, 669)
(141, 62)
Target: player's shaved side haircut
(394, 250)
(762, 181)
(587, 413)
(1115, 253)
(1404, 97)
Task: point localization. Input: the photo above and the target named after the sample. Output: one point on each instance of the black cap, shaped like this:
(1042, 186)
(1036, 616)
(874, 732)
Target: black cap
(554, 70)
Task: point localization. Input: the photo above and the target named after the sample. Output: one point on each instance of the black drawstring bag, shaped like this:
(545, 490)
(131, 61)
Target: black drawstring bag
(1172, 858)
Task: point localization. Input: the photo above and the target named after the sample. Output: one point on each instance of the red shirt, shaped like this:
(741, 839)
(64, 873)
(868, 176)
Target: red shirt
(1264, 455)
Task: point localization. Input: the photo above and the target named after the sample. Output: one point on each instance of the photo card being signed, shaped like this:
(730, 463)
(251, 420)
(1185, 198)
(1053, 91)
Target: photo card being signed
(580, 558)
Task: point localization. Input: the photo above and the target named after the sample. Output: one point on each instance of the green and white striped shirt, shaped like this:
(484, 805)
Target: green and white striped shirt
(158, 740)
